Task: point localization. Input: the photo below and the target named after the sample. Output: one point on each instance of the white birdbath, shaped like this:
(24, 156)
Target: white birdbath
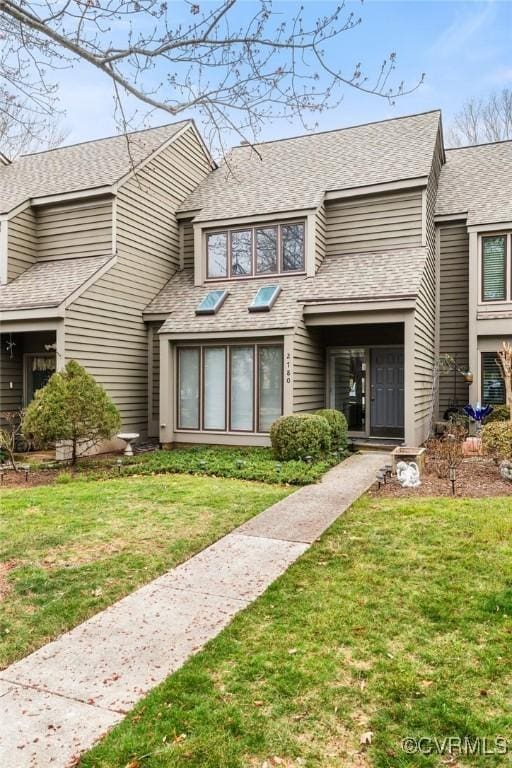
(128, 437)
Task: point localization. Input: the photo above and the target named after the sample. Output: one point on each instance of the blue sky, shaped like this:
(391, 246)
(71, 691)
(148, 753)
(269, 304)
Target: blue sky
(464, 48)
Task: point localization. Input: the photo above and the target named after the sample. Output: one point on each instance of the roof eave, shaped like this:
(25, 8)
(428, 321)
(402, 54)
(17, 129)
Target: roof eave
(314, 313)
(153, 317)
(447, 217)
(42, 312)
(368, 189)
(227, 334)
(257, 217)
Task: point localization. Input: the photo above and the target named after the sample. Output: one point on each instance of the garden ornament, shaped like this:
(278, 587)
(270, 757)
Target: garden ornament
(128, 438)
(506, 470)
(478, 412)
(408, 474)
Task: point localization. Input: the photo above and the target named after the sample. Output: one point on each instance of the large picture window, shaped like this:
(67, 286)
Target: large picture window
(242, 389)
(493, 386)
(237, 388)
(253, 251)
(188, 388)
(270, 372)
(214, 386)
(494, 268)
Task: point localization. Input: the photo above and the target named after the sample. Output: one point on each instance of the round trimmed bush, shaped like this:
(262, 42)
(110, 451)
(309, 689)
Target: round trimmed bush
(300, 435)
(497, 440)
(498, 413)
(338, 426)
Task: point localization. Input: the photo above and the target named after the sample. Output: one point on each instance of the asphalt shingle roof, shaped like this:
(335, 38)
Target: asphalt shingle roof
(293, 174)
(477, 181)
(49, 283)
(370, 276)
(78, 167)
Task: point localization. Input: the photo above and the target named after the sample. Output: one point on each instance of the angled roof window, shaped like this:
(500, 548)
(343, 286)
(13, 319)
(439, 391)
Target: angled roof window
(212, 302)
(265, 298)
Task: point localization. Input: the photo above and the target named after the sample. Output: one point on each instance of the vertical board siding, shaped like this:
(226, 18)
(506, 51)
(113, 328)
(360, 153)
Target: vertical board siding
(104, 327)
(11, 370)
(187, 244)
(308, 370)
(425, 315)
(453, 309)
(74, 229)
(21, 249)
(320, 237)
(373, 222)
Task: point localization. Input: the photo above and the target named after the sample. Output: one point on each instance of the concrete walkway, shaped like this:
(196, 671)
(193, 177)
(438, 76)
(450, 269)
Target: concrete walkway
(60, 700)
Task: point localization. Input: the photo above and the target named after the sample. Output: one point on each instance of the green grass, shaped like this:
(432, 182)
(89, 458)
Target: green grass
(241, 463)
(69, 550)
(397, 622)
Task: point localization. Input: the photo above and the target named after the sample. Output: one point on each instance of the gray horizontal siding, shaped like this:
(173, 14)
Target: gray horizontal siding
(104, 327)
(425, 317)
(453, 310)
(320, 236)
(308, 371)
(374, 222)
(74, 229)
(21, 248)
(187, 245)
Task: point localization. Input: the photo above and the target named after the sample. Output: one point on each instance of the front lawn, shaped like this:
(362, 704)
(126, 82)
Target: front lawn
(69, 550)
(396, 624)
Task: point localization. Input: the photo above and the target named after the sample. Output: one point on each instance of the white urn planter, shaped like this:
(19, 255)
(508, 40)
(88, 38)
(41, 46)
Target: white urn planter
(128, 438)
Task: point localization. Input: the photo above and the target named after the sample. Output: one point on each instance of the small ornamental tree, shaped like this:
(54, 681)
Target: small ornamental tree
(10, 432)
(73, 408)
(505, 363)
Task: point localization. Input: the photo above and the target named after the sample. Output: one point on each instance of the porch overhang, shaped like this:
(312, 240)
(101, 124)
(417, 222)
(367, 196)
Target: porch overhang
(361, 312)
(21, 317)
(234, 334)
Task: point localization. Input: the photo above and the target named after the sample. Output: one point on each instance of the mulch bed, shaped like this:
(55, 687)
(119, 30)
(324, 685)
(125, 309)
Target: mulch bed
(35, 477)
(477, 478)
(12, 479)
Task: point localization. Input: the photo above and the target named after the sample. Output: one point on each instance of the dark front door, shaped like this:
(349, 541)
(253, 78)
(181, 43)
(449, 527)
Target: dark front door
(387, 392)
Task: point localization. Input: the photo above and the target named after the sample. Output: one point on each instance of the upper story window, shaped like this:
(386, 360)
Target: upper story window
(495, 268)
(254, 251)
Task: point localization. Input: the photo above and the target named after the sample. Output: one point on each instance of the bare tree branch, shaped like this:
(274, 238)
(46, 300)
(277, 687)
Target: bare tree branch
(232, 75)
(483, 120)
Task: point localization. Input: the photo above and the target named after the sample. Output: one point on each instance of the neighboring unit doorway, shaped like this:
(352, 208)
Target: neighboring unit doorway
(39, 367)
